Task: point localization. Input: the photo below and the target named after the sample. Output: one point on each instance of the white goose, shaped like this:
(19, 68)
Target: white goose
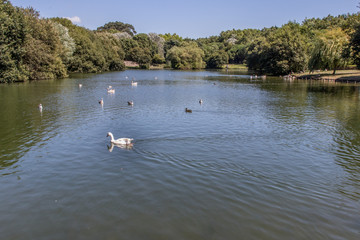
(111, 90)
(120, 141)
(133, 83)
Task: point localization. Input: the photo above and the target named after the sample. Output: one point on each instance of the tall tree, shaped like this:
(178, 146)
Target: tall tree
(279, 50)
(94, 51)
(355, 45)
(12, 39)
(43, 48)
(329, 50)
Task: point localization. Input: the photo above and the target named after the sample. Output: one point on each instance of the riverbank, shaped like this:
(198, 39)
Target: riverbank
(340, 76)
(347, 76)
(134, 65)
(241, 67)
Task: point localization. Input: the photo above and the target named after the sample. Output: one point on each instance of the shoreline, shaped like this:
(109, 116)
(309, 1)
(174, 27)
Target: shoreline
(344, 76)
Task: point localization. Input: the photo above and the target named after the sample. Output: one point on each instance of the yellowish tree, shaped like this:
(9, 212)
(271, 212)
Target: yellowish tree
(329, 50)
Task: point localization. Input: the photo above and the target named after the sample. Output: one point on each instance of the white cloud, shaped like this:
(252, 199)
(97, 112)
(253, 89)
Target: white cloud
(74, 19)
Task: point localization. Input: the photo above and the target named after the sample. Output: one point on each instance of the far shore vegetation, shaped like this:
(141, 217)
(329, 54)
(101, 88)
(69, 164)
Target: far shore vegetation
(34, 48)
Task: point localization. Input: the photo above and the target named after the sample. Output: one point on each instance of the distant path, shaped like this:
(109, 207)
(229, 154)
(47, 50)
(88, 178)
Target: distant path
(131, 64)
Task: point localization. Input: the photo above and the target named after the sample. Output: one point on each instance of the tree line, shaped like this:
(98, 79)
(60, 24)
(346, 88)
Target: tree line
(32, 47)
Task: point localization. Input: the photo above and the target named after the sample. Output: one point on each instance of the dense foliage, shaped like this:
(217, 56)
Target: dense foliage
(42, 48)
(118, 27)
(186, 56)
(279, 50)
(12, 41)
(36, 48)
(330, 49)
(94, 51)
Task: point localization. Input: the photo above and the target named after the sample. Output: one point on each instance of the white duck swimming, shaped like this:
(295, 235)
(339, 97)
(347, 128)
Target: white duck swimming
(111, 90)
(121, 141)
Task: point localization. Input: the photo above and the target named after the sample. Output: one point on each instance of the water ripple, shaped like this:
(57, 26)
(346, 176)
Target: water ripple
(261, 160)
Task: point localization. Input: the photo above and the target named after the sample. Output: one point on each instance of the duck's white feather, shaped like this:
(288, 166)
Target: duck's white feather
(122, 141)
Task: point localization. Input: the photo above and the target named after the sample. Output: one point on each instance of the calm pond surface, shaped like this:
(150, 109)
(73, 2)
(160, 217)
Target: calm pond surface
(258, 159)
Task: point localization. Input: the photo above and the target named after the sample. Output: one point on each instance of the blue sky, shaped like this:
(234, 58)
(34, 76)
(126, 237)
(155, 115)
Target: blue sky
(189, 18)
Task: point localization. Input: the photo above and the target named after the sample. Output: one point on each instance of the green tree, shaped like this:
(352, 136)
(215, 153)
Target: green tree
(238, 53)
(329, 50)
(170, 44)
(140, 49)
(43, 48)
(141, 55)
(211, 48)
(186, 56)
(279, 50)
(12, 39)
(171, 40)
(346, 22)
(217, 59)
(127, 44)
(355, 46)
(94, 51)
(143, 40)
(113, 51)
(174, 37)
(118, 27)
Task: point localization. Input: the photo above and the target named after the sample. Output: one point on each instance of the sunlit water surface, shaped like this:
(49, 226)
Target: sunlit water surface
(258, 159)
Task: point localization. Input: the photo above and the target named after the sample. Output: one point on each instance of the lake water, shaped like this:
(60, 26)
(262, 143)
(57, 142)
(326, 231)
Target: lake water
(258, 159)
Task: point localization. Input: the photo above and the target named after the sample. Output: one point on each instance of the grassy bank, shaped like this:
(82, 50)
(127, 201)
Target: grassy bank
(242, 67)
(340, 75)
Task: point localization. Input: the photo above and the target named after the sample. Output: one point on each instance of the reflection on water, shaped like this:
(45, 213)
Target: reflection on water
(256, 158)
(122, 146)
